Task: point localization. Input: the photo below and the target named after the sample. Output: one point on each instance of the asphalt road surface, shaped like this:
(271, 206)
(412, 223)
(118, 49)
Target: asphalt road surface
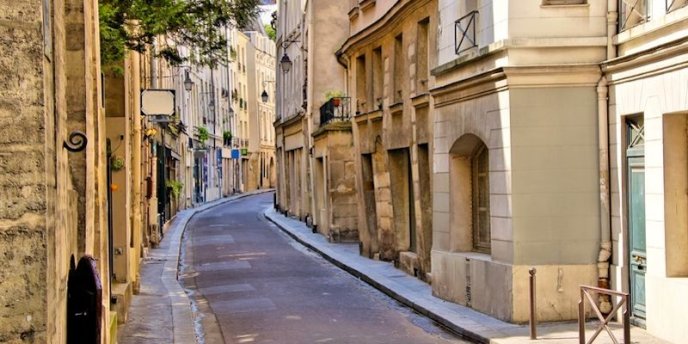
(252, 284)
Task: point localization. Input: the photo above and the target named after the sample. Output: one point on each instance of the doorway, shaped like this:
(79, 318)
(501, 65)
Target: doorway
(635, 155)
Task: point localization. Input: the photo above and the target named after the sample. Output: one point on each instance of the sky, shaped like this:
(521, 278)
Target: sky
(267, 11)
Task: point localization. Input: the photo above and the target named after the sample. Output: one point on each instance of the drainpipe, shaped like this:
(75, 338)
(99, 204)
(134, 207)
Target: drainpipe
(604, 177)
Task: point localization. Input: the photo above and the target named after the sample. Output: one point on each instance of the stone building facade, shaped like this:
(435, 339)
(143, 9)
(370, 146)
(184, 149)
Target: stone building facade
(291, 123)
(53, 200)
(388, 55)
(515, 165)
(646, 83)
(261, 146)
(316, 177)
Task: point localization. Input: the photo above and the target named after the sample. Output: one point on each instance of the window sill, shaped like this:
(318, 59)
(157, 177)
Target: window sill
(564, 5)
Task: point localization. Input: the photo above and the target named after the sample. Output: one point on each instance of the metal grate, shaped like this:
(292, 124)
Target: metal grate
(464, 29)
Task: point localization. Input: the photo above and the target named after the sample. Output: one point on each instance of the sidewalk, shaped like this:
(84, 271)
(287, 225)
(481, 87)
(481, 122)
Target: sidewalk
(161, 312)
(417, 295)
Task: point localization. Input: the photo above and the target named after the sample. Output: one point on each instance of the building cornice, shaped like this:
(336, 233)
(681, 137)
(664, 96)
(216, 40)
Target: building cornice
(512, 77)
(382, 26)
(674, 53)
(335, 126)
(289, 121)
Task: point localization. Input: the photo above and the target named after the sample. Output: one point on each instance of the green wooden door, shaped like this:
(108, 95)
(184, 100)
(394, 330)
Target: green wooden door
(636, 231)
(637, 256)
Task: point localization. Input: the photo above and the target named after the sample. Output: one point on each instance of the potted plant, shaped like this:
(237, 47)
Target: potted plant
(227, 137)
(335, 96)
(175, 187)
(203, 134)
(116, 163)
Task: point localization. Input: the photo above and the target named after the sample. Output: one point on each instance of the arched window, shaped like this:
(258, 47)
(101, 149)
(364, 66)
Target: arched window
(470, 195)
(481, 199)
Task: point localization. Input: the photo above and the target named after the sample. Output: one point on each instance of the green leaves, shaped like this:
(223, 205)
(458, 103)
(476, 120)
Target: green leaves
(199, 25)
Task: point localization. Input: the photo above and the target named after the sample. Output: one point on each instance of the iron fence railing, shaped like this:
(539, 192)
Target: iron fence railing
(464, 30)
(590, 295)
(335, 109)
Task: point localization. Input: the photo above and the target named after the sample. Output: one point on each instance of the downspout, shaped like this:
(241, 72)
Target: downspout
(605, 252)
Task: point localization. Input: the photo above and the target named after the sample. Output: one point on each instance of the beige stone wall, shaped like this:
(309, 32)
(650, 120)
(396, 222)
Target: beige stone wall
(388, 80)
(27, 149)
(44, 219)
(543, 199)
(334, 183)
(637, 89)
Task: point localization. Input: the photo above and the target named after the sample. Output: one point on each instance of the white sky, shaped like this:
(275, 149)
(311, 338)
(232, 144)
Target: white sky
(267, 11)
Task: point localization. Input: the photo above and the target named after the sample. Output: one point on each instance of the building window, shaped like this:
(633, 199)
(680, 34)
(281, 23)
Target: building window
(422, 46)
(564, 2)
(469, 195)
(481, 199)
(361, 101)
(398, 68)
(378, 81)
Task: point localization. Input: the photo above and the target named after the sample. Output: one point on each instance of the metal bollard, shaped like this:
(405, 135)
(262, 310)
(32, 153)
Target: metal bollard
(533, 304)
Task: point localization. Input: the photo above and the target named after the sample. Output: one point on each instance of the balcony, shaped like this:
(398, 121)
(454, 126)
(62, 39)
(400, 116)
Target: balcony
(335, 109)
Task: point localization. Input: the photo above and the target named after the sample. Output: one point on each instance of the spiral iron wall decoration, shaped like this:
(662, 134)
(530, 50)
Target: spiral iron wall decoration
(77, 141)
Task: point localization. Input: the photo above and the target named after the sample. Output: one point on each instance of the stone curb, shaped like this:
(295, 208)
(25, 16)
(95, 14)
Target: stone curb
(466, 333)
(182, 314)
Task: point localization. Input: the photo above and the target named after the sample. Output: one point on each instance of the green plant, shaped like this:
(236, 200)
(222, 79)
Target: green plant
(175, 187)
(333, 94)
(227, 137)
(203, 134)
(116, 163)
(200, 24)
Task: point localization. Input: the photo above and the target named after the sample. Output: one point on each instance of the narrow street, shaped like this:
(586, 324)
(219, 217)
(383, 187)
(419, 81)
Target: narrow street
(253, 284)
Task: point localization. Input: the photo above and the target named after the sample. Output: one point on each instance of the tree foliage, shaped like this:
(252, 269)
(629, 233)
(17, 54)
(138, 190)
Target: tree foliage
(196, 24)
(270, 32)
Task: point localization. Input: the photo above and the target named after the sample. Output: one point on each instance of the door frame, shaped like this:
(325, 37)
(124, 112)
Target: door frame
(634, 158)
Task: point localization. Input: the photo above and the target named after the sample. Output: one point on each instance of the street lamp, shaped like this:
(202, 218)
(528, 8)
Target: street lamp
(264, 96)
(188, 83)
(286, 63)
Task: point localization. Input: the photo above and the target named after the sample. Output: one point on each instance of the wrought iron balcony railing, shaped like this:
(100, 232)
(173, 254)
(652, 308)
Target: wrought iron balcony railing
(335, 109)
(464, 29)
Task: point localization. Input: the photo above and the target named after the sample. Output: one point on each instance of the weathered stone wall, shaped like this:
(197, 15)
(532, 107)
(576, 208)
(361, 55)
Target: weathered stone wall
(24, 135)
(42, 187)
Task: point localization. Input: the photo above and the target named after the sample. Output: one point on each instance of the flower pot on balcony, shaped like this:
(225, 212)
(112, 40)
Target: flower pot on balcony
(336, 101)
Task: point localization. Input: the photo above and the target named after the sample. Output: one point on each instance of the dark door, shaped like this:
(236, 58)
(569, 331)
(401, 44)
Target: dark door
(636, 217)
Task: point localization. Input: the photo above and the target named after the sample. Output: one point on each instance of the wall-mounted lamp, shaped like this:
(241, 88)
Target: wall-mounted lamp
(264, 96)
(188, 83)
(285, 61)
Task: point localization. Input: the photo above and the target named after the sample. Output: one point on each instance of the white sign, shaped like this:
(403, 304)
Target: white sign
(157, 102)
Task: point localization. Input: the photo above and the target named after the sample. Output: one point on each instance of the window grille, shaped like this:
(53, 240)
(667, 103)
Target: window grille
(481, 200)
(633, 13)
(464, 37)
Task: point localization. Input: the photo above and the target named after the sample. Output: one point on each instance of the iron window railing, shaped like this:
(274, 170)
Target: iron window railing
(633, 13)
(464, 30)
(672, 5)
(335, 109)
